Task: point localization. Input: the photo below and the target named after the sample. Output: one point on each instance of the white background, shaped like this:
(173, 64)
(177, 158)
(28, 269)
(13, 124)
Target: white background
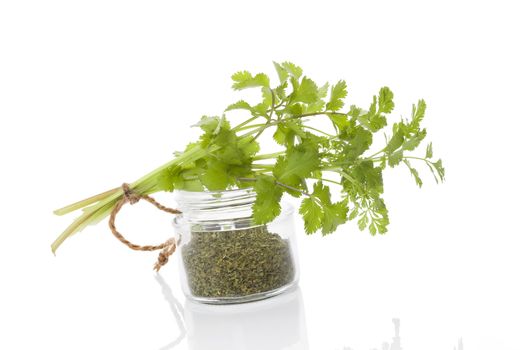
(95, 93)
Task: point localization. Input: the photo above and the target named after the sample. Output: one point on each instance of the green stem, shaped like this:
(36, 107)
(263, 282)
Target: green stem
(316, 113)
(418, 158)
(246, 127)
(107, 200)
(268, 156)
(328, 180)
(319, 131)
(85, 202)
(241, 125)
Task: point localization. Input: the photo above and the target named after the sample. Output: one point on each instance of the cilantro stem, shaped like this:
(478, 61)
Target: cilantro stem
(273, 105)
(263, 166)
(262, 127)
(241, 125)
(316, 113)
(246, 127)
(319, 131)
(247, 179)
(268, 156)
(108, 199)
(328, 180)
(292, 188)
(418, 158)
(84, 203)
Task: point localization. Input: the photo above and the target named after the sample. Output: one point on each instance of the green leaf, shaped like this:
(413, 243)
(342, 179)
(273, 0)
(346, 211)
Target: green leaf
(292, 69)
(323, 90)
(440, 170)
(312, 214)
(362, 222)
(395, 142)
(395, 158)
(334, 215)
(239, 105)
(322, 192)
(320, 213)
(337, 95)
(372, 228)
(298, 163)
(280, 91)
(429, 153)
(208, 124)
(341, 122)
(418, 113)
(267, 204)
(386, 103)
(307, 91)
(414, 173)
(170, 179)
(359, 140)
(373, 120)
(281, 72)
(413, 142)
(354, 213)
(249, 146)
(216, 176)
(244, 79)
(369, 177)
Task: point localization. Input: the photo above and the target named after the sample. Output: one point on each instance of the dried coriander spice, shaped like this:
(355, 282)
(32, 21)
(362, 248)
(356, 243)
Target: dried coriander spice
(237, 263)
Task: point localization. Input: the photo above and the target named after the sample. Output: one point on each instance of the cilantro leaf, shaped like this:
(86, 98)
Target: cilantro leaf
(216, 176)
(292, 69)
(312, 213)
(267, 204)
(338, 93)
(414, 173)
(386, 103)
(239, 105)
(307, 91)
(296, 165)
(244, 79)
(429, 153)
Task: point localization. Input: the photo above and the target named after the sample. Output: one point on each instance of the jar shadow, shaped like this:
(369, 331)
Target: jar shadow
(274, 323)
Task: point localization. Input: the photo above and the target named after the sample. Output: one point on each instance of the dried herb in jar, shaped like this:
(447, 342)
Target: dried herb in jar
(237, 263)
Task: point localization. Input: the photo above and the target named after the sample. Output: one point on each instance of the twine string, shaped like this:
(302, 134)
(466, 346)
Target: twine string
(166, 249)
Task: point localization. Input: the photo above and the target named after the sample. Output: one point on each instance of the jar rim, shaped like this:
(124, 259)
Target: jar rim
(229, 209)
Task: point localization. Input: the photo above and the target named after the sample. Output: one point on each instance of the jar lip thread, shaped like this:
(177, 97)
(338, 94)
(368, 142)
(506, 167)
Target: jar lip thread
(221, 209)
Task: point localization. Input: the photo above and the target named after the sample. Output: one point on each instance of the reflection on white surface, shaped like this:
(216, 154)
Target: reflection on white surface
(396, 340)
(460, 345)
(274, 323)
(176, 309)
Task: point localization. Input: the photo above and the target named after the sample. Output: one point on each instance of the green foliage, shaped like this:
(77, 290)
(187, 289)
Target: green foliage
(267, 204)
(299, 163)
(308, 154)
(243, 80)
(346, 155)
(320, 213)
(338, 93)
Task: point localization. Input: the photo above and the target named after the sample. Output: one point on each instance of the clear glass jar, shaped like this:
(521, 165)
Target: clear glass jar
(224, 257)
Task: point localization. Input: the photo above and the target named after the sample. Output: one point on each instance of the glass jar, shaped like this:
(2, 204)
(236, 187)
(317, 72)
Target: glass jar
(224, 257)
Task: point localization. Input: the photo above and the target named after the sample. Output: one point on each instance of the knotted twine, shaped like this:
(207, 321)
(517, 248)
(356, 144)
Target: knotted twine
(167, 248)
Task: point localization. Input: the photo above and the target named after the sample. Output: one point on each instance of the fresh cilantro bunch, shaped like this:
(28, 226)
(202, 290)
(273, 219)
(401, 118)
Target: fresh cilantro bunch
(344, 155)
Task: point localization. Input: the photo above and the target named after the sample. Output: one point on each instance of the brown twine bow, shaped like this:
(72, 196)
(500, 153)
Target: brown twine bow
(168, 247)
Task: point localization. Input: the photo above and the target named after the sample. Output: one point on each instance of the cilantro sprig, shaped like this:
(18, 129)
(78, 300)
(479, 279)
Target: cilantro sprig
(334, 170)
